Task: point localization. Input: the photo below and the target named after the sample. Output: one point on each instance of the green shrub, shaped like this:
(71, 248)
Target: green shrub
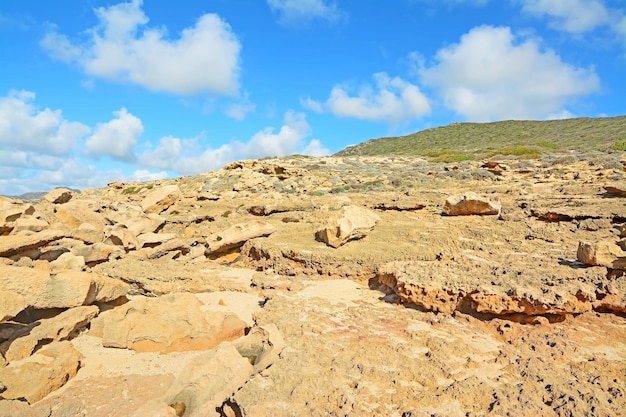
(516, 150)
(619, 145)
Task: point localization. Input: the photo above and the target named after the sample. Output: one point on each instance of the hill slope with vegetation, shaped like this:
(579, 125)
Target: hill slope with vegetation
(467, 141)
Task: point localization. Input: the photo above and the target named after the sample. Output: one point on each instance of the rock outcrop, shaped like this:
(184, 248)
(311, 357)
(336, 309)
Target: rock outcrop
(304, 286)
(351, 223)
(470, 203)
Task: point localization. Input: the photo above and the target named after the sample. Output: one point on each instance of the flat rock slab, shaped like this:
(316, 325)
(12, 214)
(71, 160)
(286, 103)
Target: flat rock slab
(14, 244)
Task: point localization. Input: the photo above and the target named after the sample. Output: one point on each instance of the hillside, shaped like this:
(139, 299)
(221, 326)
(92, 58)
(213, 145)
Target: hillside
(468, 141)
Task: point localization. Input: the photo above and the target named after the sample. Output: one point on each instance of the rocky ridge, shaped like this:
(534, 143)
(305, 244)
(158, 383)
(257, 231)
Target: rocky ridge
(322, 286)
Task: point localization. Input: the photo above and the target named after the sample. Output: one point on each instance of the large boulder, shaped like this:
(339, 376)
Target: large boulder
(350, 223)
(160, 199)
(172, 323)
(470, 204)
(36, 376)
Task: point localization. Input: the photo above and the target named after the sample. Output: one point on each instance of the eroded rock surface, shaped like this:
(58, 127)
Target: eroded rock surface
(321, 286)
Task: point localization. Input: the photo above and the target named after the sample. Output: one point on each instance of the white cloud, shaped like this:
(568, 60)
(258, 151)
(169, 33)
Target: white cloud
(313, 105)
(284, 142)
(574, 16)
(390, 100)
(294, 11)
(24, 127)
(203, 59)
(489, 76)
(191, 156)
(70, 172)
(115, 138)
(145, 175)
(186, 156)
(315, 148)
(240, 110)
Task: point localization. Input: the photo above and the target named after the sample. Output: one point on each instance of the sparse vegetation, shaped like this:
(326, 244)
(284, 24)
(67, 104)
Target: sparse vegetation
(465, 141)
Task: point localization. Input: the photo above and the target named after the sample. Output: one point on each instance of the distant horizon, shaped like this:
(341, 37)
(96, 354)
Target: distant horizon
(131, 91)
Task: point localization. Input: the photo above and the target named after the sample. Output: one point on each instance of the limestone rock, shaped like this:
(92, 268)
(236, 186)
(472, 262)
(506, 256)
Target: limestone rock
(182, 246)
(76, 212)
(53, 366)
(262, 345)
(617, 190)
(172, 323)
(68, 261)
(134, 218)
(154, 239)
(88, 233)
(120, 235)
(237, 235)
(203, 385)
(470, 203)
(160, 199)
(14, 244)
(604, 253)
(55, 329)
(66, 289)
(59, 196)
(11, 303)
(29, 223)
(351, 223)
(98, 252)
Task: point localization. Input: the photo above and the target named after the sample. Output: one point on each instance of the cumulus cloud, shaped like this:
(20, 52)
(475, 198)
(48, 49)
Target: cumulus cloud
(25, 127)
(191, 156)
(115, 138)
(489, 75)
(391, 100)
(146, 175)
(574, 16)
(313, 105)
(294, 11)
(204, 58)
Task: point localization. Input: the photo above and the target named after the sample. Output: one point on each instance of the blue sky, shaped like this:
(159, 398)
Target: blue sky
(96, 91)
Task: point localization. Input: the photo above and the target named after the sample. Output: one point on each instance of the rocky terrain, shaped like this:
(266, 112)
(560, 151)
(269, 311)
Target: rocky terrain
(338, 286)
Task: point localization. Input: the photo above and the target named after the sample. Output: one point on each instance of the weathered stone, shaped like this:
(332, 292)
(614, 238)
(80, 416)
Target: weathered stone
(88, 233)
(53, 366)
(205, 383)
(605, 253)
(15, 244)
(617, 190)
(172, 323)
(173, 245)
(155, 239)
(66, 289)
(29, 223)
(351, 223)
(135, 219)
(55, 329)
(11, 303)
(237, 235)
(470, 204)
(76, 212)
(120, 235)
(68, 261)
(98, 252)
(59, 196)
(160, 199)
(261, 346)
